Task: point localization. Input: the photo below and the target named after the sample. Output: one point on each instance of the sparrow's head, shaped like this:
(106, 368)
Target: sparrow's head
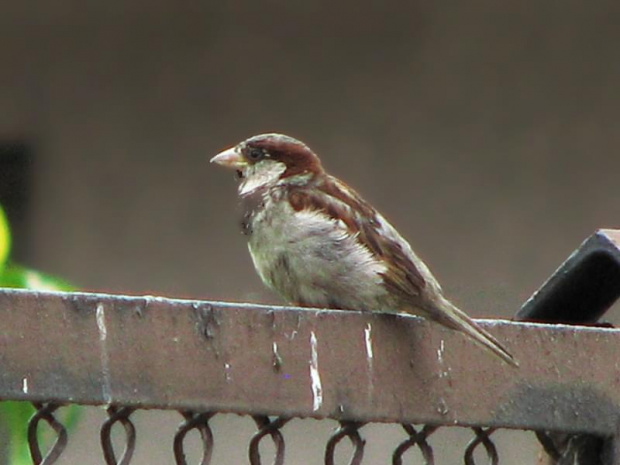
(270, 159)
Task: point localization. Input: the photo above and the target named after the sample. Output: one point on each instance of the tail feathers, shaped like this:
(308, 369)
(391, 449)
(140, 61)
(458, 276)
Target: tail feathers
(454, 318)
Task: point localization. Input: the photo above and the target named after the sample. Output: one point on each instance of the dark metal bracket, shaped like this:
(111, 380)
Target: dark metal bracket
(583, 288)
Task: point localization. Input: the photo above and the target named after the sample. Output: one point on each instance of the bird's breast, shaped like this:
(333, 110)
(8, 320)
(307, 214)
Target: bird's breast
(313, 260)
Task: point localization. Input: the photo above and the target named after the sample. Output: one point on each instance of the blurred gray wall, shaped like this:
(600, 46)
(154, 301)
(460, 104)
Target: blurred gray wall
(488, 132)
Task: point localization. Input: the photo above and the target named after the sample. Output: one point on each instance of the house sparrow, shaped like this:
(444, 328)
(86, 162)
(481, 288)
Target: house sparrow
(317, 243)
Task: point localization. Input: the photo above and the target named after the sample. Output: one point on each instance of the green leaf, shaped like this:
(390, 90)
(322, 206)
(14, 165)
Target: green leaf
(5, 238)
(24, 278)
(14, 420)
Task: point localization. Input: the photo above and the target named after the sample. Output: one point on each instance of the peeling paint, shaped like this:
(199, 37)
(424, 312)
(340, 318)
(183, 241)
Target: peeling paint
(105, 360)
(277, 359)
(227, 372)
(442, 407)
(317, 389)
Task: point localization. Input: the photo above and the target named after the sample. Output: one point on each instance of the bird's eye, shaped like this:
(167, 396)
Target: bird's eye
(255, 154)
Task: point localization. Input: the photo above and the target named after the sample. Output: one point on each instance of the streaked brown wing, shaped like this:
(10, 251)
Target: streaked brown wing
(340, 202)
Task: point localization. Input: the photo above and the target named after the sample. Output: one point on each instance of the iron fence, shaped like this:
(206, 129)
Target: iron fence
(279, 363)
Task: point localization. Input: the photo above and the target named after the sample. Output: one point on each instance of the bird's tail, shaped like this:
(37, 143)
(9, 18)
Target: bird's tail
(454, 318)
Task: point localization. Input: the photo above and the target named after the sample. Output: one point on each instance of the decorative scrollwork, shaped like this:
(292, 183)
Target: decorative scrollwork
(415, 439)
(482, 437)
(271, 428)
(118, 414)
(348, 429)
(562, 448)
(199, 422)
(45, 412)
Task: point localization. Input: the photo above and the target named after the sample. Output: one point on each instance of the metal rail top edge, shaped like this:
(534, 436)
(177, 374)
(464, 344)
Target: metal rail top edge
(153, 352)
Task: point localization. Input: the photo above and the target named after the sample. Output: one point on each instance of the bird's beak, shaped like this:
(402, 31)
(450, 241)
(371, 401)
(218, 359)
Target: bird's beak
(230, 158)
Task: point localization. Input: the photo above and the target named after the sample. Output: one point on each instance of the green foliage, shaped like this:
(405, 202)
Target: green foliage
(5, 238)
(17, 276)
(14, 415)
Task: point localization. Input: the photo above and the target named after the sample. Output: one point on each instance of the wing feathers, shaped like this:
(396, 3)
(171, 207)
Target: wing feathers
(341, 203)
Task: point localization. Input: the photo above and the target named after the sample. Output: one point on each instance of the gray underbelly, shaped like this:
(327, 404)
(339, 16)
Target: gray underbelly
(318, 268)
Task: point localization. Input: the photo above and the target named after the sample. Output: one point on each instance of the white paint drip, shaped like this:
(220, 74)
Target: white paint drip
(443, 372)
(367, 334)
(369, 359)
(103, 332)
(440, 352)
(105, 360)
(442, 405)
(317, 389)
(25, 385)
(227, 372)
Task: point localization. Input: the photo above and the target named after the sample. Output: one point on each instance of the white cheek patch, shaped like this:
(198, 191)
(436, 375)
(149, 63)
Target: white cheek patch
(261, 174)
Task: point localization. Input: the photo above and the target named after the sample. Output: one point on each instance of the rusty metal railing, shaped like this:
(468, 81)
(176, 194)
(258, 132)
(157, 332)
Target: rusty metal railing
(278, 363)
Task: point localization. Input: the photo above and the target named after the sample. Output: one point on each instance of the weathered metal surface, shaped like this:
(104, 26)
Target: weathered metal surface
(583, 287)
(207, 356)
